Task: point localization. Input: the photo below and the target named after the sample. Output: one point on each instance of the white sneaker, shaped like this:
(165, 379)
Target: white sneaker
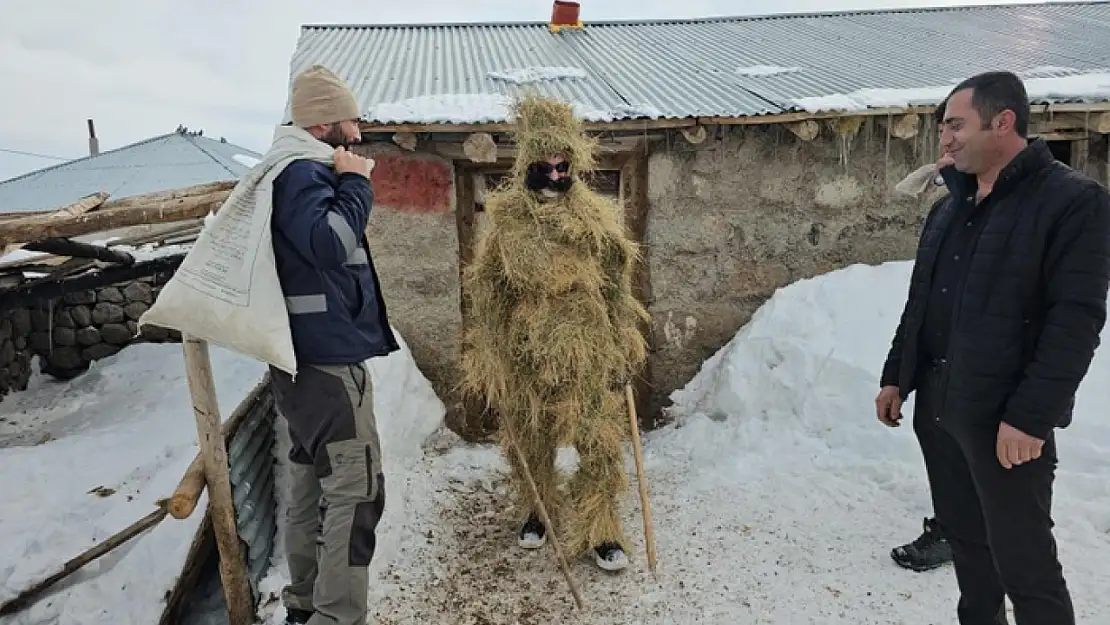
(610, 557)
(533, 535)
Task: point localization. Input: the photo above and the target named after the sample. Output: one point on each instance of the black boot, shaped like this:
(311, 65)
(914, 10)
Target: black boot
(928, 551)
(297, 617)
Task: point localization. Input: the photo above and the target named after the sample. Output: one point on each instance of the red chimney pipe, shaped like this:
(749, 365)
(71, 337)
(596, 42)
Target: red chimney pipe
(565, 14)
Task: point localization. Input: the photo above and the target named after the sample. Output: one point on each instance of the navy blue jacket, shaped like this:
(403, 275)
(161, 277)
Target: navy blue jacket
(336, 310)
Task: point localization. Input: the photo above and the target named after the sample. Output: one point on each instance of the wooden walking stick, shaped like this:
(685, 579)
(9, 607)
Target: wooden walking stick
(508, 429)
(638, 454)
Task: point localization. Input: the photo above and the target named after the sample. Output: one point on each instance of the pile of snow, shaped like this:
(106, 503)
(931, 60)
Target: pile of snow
(524, 75)
(766, 70)
(1088, 85)
(776, 497)
(407, 412)
(482, 108)
(84, 459)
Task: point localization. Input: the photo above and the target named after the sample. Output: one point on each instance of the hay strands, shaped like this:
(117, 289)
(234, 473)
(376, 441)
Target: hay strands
(507, 430)
(27, 597)
(645, 503)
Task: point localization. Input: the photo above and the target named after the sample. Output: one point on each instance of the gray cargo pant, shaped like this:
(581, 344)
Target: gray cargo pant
(337, 490)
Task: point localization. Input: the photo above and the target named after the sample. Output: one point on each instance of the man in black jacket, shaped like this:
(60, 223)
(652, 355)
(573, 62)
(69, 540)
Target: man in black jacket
(1006, 303)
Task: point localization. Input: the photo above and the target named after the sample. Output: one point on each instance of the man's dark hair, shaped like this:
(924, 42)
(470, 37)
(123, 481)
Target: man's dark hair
(994, 92)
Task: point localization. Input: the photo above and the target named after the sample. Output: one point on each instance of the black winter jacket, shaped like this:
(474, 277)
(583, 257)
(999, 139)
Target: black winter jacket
(1027, 320)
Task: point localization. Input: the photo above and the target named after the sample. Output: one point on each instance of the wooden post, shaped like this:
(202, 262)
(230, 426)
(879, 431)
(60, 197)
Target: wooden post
(233, 566)
(634, 195)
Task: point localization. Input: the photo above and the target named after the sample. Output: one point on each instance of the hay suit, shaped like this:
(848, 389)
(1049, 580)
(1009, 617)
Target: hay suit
(554, 331)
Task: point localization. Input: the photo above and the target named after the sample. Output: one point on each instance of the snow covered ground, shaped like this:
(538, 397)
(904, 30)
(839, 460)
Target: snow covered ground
(776, 495)
(82, 460)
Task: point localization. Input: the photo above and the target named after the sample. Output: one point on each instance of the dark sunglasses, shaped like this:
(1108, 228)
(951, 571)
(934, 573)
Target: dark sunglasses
(546, 168)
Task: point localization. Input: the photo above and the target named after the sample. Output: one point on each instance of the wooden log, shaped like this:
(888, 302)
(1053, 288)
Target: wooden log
(480, 148)
(638, 455)
(904, 126)
(27, 597)
(560, 555)
(81, 206)
(405, 140)
(187, 494)
(233, 565)
(806, 130)
(695, 135)
(65, 247)
(169, 206)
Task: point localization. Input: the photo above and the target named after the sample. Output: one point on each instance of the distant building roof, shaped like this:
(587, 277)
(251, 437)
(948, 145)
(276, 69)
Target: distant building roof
(170, 161)
(714, 67)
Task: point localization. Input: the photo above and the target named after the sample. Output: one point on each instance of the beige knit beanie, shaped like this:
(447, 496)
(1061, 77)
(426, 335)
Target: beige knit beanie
(321, 97)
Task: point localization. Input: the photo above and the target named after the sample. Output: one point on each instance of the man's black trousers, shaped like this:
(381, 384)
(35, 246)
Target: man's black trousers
(997, 520)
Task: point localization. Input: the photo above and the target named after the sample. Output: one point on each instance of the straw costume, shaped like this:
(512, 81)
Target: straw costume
(553, 331)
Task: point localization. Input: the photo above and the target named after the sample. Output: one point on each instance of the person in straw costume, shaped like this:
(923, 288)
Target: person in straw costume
(553, 331)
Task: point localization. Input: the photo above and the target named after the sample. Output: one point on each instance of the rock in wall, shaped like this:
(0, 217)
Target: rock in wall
(70, 332)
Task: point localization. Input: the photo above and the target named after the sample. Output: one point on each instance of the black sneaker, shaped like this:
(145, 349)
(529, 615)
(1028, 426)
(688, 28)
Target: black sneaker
(297, 617)
(610, 557)
(928, 551)
(533, 534)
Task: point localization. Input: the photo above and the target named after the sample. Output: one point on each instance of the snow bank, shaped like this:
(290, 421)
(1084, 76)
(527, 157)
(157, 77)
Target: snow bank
(408, 412)
(524, 75)
(766, 70)
(125, 429)
(784, 413)
(1089, 85)
(480, 108)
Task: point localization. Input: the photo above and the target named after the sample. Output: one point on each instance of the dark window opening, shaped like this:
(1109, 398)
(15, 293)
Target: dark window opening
(1061, 150)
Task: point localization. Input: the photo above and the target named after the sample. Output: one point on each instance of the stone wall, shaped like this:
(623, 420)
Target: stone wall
(734, 219)
(70, 332)
(731, 220)
(413, 236)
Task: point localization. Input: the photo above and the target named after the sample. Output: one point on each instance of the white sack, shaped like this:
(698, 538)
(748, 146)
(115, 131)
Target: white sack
(226, 291)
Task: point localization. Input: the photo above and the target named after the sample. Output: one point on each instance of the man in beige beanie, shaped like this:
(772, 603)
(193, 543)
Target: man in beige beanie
(338, 321)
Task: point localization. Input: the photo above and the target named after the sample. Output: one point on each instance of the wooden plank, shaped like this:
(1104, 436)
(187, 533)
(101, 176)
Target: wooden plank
(233, 564)
(506, 152)
(156, 208)
(81, 206)
(187, 494)
(748, 120)
(199, 551)
(634, 195)
(1080, 154)
(620, 125)
(28, 596)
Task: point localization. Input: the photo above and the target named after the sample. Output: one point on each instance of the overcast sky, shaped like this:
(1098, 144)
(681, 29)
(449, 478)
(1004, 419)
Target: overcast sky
(141, 67)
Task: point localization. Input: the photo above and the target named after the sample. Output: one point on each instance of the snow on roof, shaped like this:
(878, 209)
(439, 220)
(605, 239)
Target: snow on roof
(726, 67)
(170, 161)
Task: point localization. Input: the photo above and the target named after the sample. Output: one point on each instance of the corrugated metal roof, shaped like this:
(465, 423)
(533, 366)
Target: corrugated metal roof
(157, 164)
(689, 68)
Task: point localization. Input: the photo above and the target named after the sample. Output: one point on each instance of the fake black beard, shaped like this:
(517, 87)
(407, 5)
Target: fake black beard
(538, 182)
